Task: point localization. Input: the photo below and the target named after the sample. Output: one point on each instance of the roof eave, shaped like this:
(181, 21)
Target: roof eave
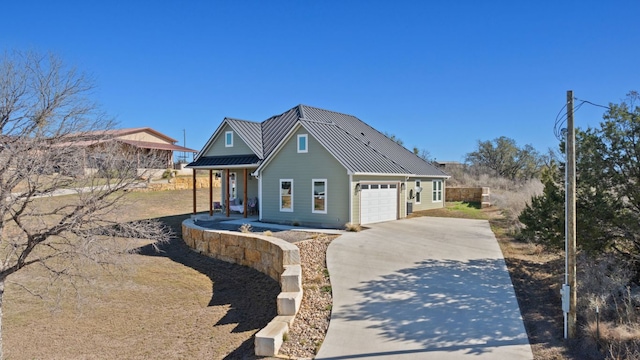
(398, 174)
(223, 167)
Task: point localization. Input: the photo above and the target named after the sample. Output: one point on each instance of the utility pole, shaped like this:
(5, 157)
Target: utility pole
(569, 289)
(184, 144)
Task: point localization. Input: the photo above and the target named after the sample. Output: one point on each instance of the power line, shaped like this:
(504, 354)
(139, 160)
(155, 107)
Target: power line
(594, 104)
(561, 120)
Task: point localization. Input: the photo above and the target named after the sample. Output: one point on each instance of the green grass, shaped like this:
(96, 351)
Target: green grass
(457, 209)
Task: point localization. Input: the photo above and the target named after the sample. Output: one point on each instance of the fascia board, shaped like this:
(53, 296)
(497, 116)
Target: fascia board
(279, 147)
(211, 140)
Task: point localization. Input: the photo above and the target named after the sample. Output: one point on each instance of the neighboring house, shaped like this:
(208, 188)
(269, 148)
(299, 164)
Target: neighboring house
(138, 143)
(316, 167)
(146, 140)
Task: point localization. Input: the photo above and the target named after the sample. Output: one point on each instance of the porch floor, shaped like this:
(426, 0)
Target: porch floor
(235, 221)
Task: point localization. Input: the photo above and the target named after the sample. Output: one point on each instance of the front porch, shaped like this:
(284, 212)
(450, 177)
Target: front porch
(239, 190)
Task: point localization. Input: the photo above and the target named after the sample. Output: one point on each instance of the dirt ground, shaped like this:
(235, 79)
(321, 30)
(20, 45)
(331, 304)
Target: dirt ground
(173, 304)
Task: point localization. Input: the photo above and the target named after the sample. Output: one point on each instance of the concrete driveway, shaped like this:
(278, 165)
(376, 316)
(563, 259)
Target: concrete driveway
(422, 288)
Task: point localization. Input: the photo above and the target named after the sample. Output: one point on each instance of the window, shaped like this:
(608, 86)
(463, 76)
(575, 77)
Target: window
(228, 139)
(319, 196)
(418, 190)
(286, 195)
(303, 145)
(437, 190)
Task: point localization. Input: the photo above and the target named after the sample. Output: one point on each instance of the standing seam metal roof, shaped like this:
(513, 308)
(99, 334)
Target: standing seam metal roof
(356, 145)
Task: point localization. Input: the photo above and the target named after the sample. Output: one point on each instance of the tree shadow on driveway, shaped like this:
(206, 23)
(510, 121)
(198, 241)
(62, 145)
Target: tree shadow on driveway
(443, 305)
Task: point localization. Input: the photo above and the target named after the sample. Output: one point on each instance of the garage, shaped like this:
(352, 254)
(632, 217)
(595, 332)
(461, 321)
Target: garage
(378, 202)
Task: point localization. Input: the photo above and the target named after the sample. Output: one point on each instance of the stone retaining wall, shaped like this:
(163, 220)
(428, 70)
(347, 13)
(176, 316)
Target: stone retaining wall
(274, 257)
(180, 183)
(480, 195)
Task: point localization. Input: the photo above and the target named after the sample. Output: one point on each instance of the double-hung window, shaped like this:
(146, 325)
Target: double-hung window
(437, 190)
(418, 191)
(319, 196)
(286, 195)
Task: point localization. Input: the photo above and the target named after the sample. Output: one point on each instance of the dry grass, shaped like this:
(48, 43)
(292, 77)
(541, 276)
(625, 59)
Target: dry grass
(151, 307)
(353, 227)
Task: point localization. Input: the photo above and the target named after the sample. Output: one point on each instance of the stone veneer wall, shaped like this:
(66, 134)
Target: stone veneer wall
(274, 257)
(479, 194)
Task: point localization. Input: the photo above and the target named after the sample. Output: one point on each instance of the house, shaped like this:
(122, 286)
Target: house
(317, 167)
(133, 143)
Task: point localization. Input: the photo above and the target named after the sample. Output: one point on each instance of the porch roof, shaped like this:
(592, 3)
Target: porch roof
(211, 162)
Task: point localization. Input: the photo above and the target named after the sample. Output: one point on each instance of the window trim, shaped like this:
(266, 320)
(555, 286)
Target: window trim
(437, 191)
(306, 143)
(418, 193)
(280, 195)
(226, 138)
(313, 196)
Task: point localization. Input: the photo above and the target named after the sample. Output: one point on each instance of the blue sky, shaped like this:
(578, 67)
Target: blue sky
(439, 75)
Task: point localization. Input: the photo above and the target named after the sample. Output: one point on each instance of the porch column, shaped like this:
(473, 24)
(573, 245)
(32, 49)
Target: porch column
(210, 192)
(226, 195)
(194, 191)
(244, 204)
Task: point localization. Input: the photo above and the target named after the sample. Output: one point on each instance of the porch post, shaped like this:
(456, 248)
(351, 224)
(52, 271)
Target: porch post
(244, 204)
(226, 195)
(194, 191)
(210, 192)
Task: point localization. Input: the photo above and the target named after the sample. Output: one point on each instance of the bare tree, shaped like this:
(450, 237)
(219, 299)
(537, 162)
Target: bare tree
(48, 126)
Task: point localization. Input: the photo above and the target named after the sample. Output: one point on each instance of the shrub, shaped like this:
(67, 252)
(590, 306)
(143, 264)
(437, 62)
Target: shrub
(352, 227)
(245, 228)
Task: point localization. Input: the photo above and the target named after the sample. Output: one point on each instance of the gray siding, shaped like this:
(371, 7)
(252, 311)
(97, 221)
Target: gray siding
(217, 147)
(426, 200)
(317, 163)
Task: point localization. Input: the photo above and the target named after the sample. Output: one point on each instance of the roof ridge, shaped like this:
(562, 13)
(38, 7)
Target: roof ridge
(301, 111)
(331, 111)
(235, 119)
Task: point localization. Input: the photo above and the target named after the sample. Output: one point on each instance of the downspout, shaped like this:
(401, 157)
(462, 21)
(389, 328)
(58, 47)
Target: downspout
(351, 198)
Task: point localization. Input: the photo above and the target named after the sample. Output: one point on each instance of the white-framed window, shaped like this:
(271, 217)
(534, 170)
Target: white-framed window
(303, 143)
(418, 191)
(228, 139)
(319, 196)
(437, 190)
(286, 195)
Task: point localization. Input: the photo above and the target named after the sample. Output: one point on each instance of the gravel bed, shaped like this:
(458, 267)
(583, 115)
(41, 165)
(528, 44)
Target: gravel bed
(311, 323)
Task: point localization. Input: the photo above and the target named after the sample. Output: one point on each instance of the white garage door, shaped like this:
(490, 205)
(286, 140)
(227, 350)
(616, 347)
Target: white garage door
(379, 202)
